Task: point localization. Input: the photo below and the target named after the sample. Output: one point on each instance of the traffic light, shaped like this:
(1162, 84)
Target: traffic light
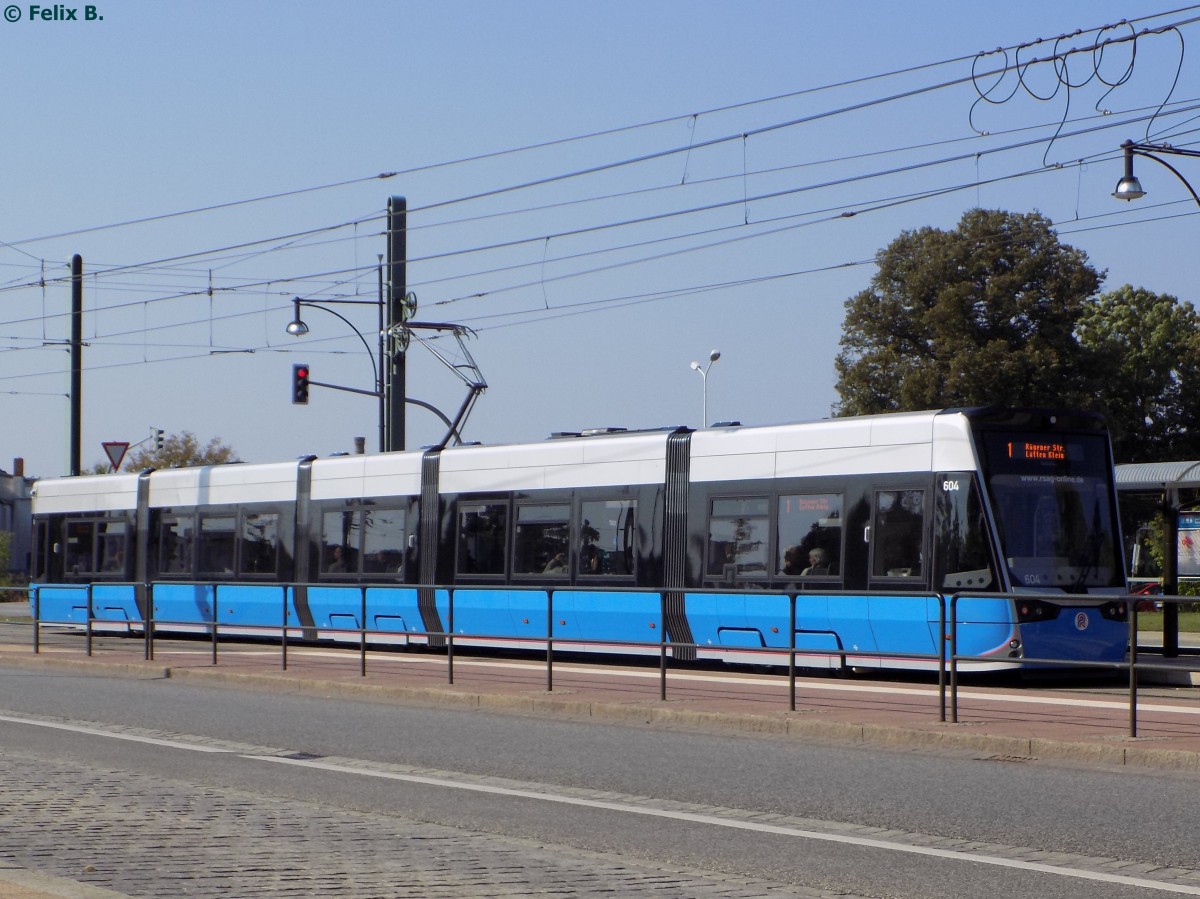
(158, 438)
(300, 383)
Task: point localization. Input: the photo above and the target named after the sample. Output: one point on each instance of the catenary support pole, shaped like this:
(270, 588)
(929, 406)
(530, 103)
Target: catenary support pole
(394, 386)
(76, 363)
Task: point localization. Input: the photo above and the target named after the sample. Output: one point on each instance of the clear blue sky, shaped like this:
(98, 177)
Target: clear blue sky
(590, 294)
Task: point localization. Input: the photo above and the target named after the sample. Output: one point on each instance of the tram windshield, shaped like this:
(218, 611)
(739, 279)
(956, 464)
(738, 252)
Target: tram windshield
(1052, 496)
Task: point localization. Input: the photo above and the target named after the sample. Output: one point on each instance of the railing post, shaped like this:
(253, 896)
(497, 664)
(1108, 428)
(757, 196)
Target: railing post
(1131, 611)
(362, 665)
(941, 656)
(450, 638)
(148, 622)
(215, 605)
(791, 651)
(283, 643)
(550, 640)
(954, 658)
(37, 620)
(88, 628)
(662, 645)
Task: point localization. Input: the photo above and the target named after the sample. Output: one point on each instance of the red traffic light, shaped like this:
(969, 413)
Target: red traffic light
(300, 383)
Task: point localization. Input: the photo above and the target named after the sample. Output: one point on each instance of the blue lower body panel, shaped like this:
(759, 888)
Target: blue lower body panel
(60, 603)
(388, 610)
(1078, 634)
(252, 607)
(866, 630)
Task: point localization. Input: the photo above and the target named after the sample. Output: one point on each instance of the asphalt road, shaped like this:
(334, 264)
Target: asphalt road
(167, 788)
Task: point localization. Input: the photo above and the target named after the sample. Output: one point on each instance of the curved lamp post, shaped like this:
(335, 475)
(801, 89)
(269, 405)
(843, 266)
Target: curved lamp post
(388, 373)
(703, 370)
(1130, 188)
(297, 328)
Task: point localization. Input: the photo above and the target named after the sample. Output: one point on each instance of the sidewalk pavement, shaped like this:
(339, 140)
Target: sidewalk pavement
(22, 883)
(1080, 724)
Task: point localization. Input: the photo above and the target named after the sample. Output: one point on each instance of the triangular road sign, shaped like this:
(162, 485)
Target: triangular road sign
(115, 450)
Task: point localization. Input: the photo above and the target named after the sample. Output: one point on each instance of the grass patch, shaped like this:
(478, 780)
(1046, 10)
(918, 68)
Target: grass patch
(1189, 622)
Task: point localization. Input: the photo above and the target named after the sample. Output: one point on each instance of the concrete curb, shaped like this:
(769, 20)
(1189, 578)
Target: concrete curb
(148, 670)
(785, 724)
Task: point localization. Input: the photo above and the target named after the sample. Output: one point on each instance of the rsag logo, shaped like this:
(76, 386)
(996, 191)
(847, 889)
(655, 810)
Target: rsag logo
(1081, 621)
(56, 13)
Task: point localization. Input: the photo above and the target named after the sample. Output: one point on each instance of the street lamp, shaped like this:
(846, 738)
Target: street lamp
(389, 378)
(1130, 188)
(298, 328)
(712, 357)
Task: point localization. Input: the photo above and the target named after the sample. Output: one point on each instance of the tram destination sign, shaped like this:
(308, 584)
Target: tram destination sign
(1037, 450)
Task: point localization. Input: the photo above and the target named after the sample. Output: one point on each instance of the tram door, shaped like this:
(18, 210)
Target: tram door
(899, 563)
(898, 537)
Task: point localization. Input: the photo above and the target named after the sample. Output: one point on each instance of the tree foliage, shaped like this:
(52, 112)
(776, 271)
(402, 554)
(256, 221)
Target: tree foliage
(179, 451)
(1145, 348)
(999, 312)
(9, 578)
(983, 314)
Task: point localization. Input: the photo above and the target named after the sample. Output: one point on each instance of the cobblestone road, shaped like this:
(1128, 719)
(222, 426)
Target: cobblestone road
(140, 835)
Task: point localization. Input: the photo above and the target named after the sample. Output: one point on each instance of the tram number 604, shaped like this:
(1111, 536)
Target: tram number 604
(949, 486)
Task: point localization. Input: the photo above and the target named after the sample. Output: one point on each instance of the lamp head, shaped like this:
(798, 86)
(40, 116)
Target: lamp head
(1129, 188)
(695, 365)
(714, 355)
(296, 326)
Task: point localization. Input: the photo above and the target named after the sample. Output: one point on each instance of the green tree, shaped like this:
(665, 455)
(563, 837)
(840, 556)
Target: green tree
(980, 315)
(179, 451)
(9, 578)
(1146, 349)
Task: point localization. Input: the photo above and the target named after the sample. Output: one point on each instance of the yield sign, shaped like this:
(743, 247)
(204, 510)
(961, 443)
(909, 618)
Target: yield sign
(115, 450)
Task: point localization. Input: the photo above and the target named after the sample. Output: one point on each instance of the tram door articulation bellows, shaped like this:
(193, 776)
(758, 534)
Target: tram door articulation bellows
(679, 447)
(431, 621)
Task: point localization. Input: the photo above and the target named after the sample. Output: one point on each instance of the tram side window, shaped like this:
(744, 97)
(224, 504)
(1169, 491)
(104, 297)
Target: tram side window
(111, 537)
(482, 533)
(738, 532)
(962, 553)
(259, 543)
(606, 537)
(175, 535)
(341, 533)
(810, 535)
(217, 534)
(897, 534)
(383, 542)
(79, 557)
(543, 539)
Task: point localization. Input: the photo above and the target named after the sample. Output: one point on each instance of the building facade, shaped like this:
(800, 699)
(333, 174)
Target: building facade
(15, 518)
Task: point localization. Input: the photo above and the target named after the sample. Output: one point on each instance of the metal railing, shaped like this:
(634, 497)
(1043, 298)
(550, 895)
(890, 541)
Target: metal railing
(944, 659)
(453, 638)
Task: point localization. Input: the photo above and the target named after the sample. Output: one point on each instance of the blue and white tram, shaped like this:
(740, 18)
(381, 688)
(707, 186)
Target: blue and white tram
(865, 520)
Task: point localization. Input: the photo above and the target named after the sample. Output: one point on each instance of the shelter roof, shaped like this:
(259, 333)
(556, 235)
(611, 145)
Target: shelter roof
(1158, 475)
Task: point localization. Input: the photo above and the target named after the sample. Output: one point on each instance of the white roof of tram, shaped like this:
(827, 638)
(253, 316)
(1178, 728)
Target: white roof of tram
(898, 442)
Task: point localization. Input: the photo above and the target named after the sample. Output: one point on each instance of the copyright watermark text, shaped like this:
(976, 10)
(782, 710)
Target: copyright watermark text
(57, 12)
